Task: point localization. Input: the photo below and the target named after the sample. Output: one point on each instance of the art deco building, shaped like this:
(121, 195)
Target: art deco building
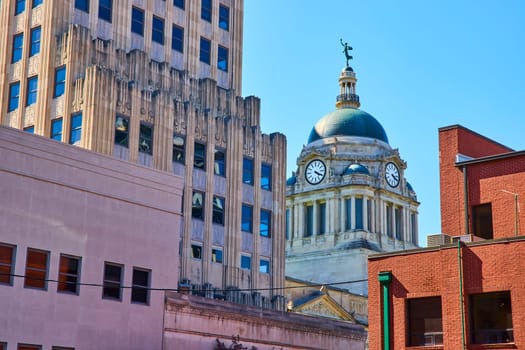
(348, 198)
(158, 83)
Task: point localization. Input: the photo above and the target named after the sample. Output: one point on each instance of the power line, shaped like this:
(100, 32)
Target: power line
(179, 289)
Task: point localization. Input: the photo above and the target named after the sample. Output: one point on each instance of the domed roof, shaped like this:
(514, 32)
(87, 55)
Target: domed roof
(348, 122)
(356, 168)
(291, 181)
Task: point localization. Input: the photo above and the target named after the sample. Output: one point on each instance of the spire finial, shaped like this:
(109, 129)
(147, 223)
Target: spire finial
(346, 51)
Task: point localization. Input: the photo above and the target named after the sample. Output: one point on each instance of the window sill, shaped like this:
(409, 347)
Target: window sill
(426, 347)
(493, 346)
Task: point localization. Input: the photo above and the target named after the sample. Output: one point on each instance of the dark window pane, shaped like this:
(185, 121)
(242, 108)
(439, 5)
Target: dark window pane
(30, 129)
(309, 221)
(218, 210)
(206, 10)
(196, 251)
(246, 262)
(199, 158)
(37, 3)
(60, 81)
(18, 46)
(34, 47)
(112, 281)
(265, 227)
(146, 139)
(219, 164)
(216, 256)
(264, 266)
(348, 214)
(137, 21)
(105, 9)
(224, 17)
(20, 6)
(247, 171)
(359, 213)
(482, 220)
(6, 264)
(266, 177)
(56, 129)
(76, 129)
(222, 58)
(14, 96)
(36, 269)
(425, 327)
(179, 4)
(491, 318)
(287, 220)
(121, 131)
(32, 88)
(205, 51)
(68, 274)
(398, 223)
(82, 5)
(247, 215)
(321, 221)
(157, 31)
(177, 38)
(178, 149)
(197, 205)
(140, 288)
(389, 227)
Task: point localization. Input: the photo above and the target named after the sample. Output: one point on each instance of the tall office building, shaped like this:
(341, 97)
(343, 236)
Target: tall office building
(158, 83)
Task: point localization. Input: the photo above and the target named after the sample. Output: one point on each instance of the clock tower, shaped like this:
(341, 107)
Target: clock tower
(348, 197)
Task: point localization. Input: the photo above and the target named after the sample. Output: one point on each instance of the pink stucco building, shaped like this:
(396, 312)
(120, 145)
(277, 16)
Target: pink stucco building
(83, 227)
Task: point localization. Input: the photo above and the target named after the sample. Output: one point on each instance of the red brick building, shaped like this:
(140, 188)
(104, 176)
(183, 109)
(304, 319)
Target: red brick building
(467, 294)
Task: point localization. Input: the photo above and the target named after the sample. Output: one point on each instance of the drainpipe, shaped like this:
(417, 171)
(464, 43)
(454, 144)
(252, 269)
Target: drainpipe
(385, 278)
(465, 199)
(461, 300)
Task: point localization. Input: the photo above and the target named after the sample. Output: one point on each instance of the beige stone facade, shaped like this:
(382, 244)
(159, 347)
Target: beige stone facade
(348, 197)
(117, 80)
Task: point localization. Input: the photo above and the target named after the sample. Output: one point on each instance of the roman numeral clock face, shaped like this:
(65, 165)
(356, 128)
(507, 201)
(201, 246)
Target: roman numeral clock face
(315, 172)
(392, 174)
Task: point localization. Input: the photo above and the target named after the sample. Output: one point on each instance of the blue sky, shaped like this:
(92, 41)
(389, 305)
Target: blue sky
(420, 65)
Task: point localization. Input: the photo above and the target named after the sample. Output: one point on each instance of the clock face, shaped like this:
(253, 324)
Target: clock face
(392, 174)
(315, 171)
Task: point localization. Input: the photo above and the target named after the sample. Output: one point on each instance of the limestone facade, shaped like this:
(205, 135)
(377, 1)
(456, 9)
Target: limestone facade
(86, 76)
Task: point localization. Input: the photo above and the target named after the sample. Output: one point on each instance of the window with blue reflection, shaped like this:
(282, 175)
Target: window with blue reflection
(56, 129)
(199, 156)
(266, 223)
(247, 171)
(30, 129)
(14, 96)
(224, 17)
(246, 218)
(37, 3)
(18, 46)
(204, 54)
(359, 213)
(32, 88)
(179, 4)
(137, 21)
(321, 222)
(157, 30)
(264, 266)
(216, 256)
(82, 5)
(219, 166)
(60, 81)
(20, 6)
(177, 38)
(105, 9)
(206, 10)
(246, 262)
(266, 177)
(222, 58)
(76, 129)
(34, 47)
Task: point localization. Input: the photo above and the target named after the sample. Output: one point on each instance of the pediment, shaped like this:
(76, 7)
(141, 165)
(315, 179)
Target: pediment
(325, 306)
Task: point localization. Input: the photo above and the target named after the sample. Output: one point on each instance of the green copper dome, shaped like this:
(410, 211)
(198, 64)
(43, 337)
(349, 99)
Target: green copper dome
(348, 122)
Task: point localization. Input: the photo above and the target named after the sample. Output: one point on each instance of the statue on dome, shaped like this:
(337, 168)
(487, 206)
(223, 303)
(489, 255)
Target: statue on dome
(346, 51)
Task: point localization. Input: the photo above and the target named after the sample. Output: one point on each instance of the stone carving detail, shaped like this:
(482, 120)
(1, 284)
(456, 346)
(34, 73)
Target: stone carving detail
(201, 131)
(29, 118)
(36, 16)
(220, 132)
(249, 141)
(319, 308)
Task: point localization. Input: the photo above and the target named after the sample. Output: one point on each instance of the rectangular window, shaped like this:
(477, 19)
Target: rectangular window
(140, 287)
(247, 217)
(177, 38)
(218, 210)
(197, 205)
(68, 274)
(425, 326)
(29, 347)
(137, 21)
(196, 251)
(157, 30)
(14, 96)
(247, 171)
(482, 220)
(34, 46)
(264, 266)
(18, 46)
(36, 269)
(222, 58)
(359, 214)
(179, 4)
(413, 227)
(287, 220)
(37, 3)
(61, 348)
(219, 166)
(309, 220)
(122, 131)
(82, 5)
(60, 81)
(112, 281)
(206, 10)
(105, 8)
(199, 158)
(7, 263)
(20, 6)
(75, 133)
(399, 223)
(30, 129)
(178, 149)
(246, 262)
(321, 218)
(369, 214)
(216, 256)
(224, 17)
(266, 223)
(266, 177)
(348, 214)
(204, 55)
(32, 88)
(491, 318)
(389, 227)
(146, 138)
(56, 129)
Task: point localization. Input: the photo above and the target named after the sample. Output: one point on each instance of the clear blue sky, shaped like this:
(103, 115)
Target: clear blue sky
(420, 65)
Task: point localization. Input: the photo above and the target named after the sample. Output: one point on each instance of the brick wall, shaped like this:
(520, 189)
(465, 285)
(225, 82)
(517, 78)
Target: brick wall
(435, 272)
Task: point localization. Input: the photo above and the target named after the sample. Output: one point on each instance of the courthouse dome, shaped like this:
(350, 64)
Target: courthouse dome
(348, 122)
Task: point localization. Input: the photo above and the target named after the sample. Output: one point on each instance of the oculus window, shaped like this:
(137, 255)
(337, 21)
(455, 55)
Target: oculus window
(197, 205)
(68, 274)
(178, 149)
(112, 281)
(122, 131)
(491, 318)
(425, 326)
(246, 218)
